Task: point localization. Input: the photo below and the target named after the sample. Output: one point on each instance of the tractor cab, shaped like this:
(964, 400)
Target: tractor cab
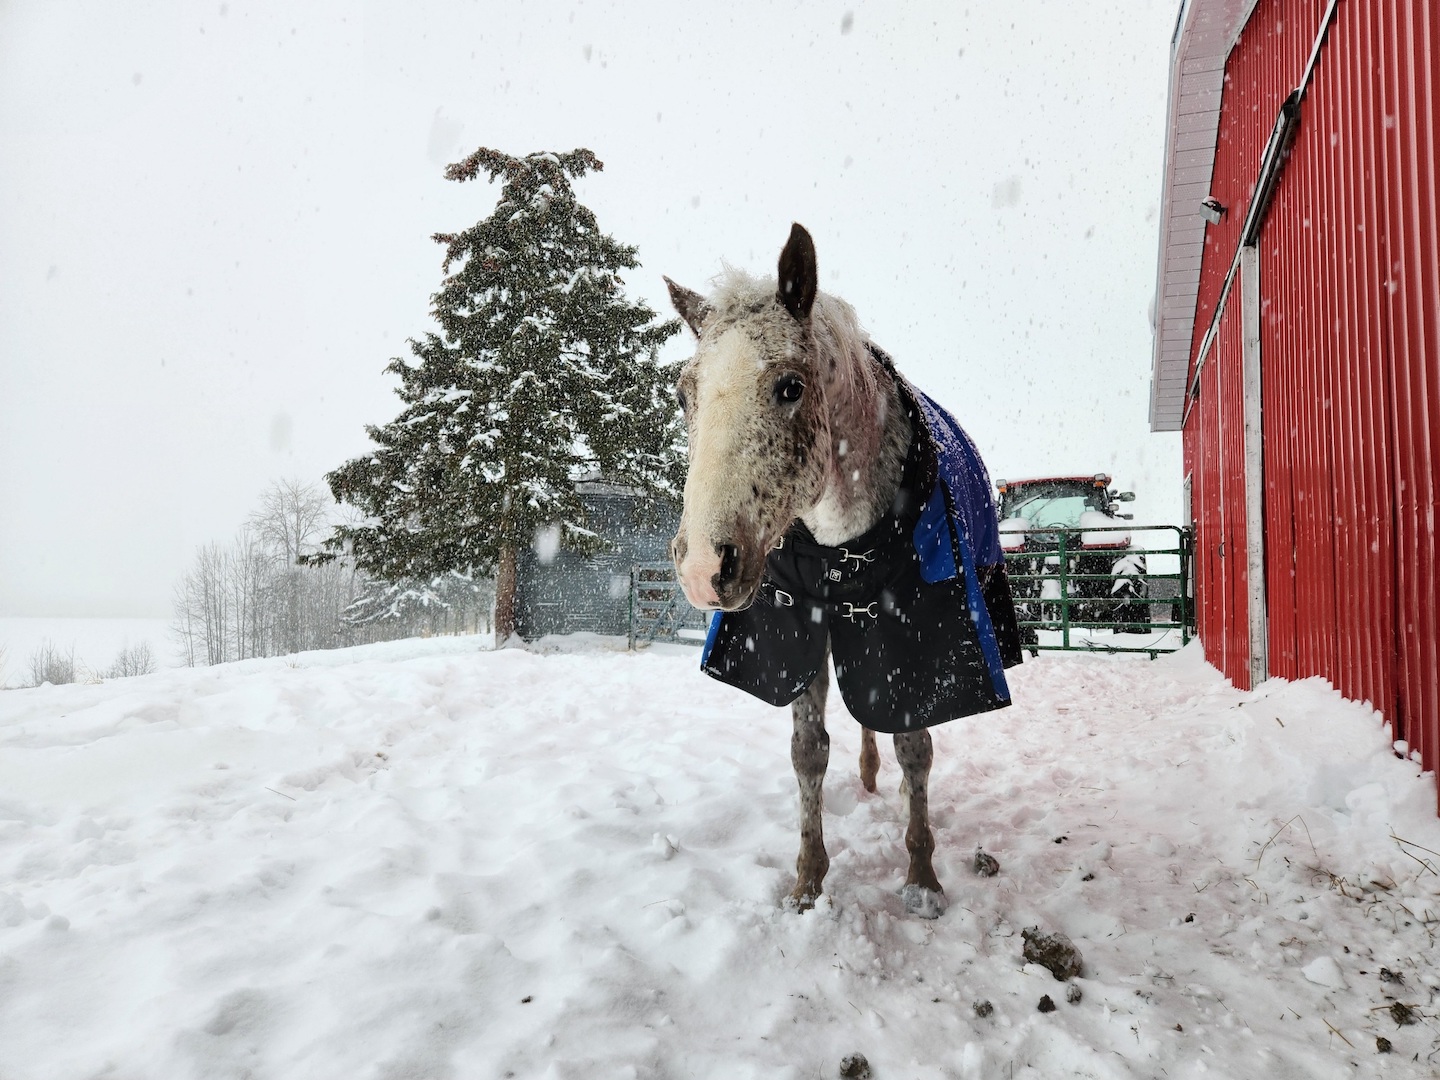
(1028, 507)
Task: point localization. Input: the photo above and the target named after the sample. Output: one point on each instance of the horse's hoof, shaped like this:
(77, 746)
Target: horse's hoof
(799, 902)
(926, 903)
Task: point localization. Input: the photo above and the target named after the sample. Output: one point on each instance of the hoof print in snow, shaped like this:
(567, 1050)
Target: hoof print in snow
(1073, 994)
(926, 903)
(1402, 1014)
(1046, 1005)
(855, 1067)
(985, 865)
(1382, 1045)
(1055, 952)
(983, 1009)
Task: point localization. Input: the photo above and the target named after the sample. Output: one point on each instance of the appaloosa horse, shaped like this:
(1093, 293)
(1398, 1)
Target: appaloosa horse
(830, 508)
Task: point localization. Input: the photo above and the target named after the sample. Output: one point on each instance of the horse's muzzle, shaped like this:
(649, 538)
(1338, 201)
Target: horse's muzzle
(726, 580)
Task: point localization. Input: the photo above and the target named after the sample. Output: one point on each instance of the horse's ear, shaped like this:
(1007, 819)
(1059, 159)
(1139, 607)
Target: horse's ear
(798, 276)
(690, 304)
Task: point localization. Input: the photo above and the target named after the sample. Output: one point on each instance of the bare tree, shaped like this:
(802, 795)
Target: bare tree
(288, 525)
(136, 659)
(249, 572)
(49, 665)
(263, 594)
(189, 625)
(203, 610)
(290, 518)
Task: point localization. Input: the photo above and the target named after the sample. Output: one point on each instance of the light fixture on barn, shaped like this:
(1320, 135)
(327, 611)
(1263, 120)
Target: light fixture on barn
(1212, 209)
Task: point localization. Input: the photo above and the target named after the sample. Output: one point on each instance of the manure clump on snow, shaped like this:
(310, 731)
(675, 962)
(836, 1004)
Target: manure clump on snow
(1402, 1014)
(983, 1009)
(1046, 1005)
(1055, 952)
(985, 864)
(855, 1067)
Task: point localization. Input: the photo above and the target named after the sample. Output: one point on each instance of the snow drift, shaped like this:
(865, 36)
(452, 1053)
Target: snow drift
(421, 859)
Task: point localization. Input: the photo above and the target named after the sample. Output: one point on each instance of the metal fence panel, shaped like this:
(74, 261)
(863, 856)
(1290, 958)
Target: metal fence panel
(1074, 596)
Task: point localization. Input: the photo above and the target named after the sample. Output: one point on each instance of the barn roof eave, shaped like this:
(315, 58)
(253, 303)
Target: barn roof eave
(1205, 32)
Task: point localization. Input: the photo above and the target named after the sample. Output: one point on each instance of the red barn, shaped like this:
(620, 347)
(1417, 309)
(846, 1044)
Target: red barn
(1297, 341)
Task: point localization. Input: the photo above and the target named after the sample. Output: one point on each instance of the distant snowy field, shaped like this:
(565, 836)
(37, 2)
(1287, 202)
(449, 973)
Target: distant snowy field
(96, 643)
(423, 859)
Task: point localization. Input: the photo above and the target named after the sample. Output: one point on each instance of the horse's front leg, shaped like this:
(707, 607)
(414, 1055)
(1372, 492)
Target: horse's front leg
(923, 894)
(810, 754)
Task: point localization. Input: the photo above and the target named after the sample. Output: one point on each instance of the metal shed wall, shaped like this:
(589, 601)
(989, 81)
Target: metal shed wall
(1350, 357)
(572, 593)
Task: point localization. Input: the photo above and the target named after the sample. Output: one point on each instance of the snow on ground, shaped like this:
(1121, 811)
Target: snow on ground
(421, 859)
(95, 642)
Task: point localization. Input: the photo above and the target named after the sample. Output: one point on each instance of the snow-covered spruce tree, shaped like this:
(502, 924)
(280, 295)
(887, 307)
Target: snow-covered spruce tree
(448, 603)
(543, 372)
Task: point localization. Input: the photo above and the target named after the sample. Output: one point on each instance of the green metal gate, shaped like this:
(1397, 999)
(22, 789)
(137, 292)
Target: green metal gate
(1074, 594)
(1064, 604)
(659, 610)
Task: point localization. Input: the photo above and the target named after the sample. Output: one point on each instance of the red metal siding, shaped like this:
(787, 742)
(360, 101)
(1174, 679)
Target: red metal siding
(1298, 263)
(1264, 67)
(1218, 495)
(1407, 49)
(1350, 355)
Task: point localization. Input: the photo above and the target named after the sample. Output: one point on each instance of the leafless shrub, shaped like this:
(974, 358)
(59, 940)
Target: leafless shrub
(131, 660)
(48, 664)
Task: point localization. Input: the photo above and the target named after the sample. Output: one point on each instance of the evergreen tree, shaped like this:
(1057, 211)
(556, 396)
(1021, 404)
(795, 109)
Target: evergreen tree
(447, 600)
(543, 372)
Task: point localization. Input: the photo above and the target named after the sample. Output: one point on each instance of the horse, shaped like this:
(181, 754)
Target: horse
(807, 445)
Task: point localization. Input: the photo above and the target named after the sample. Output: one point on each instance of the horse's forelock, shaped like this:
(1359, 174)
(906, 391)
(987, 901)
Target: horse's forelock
(738, 298)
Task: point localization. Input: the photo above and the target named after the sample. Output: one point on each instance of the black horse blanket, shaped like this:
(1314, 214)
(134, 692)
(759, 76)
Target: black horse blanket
(917, 611)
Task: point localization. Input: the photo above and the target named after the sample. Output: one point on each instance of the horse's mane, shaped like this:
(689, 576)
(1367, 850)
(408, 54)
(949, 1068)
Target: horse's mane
(738, 296)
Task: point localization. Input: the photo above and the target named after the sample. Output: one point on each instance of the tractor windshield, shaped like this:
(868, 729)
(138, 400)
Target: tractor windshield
(1052, 502)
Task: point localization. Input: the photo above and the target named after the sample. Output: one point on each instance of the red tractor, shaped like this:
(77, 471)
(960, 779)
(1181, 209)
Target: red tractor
(1108, 584)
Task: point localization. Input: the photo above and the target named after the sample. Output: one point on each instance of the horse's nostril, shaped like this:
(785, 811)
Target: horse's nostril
(729, 563)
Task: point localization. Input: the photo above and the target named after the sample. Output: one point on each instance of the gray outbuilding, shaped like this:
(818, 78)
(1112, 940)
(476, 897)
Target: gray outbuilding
(571, 593)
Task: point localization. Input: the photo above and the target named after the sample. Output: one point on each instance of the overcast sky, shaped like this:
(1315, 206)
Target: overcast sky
(215, 222)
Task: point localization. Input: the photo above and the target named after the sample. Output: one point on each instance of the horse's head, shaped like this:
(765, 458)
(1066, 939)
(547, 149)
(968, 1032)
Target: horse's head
(759, 435)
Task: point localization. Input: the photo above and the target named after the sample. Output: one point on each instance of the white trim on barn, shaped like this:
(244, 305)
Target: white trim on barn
(1254, 466)
(1205, 32)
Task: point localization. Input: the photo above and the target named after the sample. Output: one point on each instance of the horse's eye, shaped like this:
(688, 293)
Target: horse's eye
(680, 397)
(789, 389)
